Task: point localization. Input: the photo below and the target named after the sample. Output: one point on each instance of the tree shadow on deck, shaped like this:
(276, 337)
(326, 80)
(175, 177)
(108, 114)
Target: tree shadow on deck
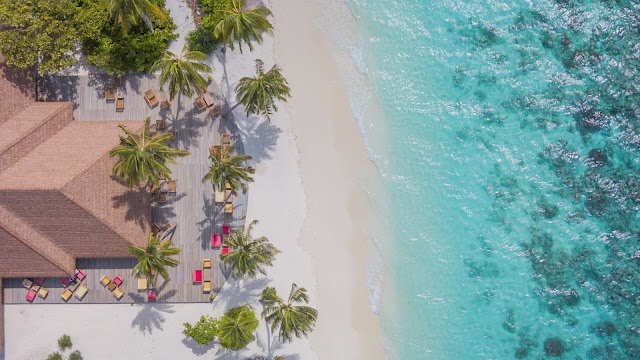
(151, 316)
(58, 88)
(98, 82)
(23, 79)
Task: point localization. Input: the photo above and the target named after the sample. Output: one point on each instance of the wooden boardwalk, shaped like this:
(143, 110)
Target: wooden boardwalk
(191, 208)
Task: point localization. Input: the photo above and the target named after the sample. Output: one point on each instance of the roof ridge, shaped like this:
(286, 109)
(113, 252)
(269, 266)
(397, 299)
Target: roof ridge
(24, 233)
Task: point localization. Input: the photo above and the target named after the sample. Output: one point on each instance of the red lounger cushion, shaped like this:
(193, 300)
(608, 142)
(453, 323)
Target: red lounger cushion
(81, 274)
(152, 295)
(225, 228)
(197, 275)
(31, 295)
(216, 240)
(225, 250)
(65, 281)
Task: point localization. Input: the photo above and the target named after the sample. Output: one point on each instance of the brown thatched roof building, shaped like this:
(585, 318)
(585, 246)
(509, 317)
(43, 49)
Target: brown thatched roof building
(58, 201)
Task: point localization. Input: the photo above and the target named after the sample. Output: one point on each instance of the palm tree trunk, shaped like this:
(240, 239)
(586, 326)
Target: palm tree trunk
(231, 110)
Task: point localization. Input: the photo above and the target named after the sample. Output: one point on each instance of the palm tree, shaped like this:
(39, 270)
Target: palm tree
(182, 72)
(291, 319)
(227, 168)
(154, 259)
(250, 255)
(141, 158)
(258, 94)
(127, 12)
(236, 327)
(242, 25)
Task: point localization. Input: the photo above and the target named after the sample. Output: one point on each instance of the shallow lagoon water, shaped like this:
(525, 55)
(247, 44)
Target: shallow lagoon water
(511, 133)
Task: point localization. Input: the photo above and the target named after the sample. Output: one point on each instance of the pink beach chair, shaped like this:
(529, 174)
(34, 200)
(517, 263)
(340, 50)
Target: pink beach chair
(225, 250)
(197, 276)
(31, 295)
(226, 228)
(117, 280)
(80, 275)
(216, 240)
(152, 295)
(65, 281)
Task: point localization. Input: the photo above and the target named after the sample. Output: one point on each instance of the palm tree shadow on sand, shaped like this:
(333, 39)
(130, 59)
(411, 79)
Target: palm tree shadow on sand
(151, 316)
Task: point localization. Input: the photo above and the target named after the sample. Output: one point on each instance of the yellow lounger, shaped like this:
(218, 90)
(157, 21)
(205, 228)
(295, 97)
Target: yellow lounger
(207, 263)
(220, 196)
(117, 293)
(43, 292)
(105, 280)
(142, 283)
(206, 286)
(81, 291)
(66, 295)
(228, 208)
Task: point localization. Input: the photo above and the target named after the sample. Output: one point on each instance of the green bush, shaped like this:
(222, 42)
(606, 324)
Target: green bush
(75, 355)
(236, 327)
(64, 342)
(214, 12)
(117, 52)
(268, 294)
(204, 331)
(202, 40)
(54, 356)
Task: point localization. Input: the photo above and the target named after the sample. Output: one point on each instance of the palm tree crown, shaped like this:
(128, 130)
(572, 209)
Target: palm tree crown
(227, 168)
(182, 72)
(291, 319)
(142, 158)
(243, 25)
(236, 327)
(127, 12)
(154, 259)
(258, 94)
(250, 255)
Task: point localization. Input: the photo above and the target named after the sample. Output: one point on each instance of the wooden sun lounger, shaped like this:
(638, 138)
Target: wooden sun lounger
(164, 102)
(219, 196)
(172, 186)
(110, 93)
(207, 99)
(160, 125)
(151, 98)
(200, 104)
(228, 208)
(81, 292)
(214, 110)
(162, 197)
(142, 284)
(117, 293)
(206, 286)
(43, 292)
(104, 280)
(117, 81)
(225, 139)
(120, 105)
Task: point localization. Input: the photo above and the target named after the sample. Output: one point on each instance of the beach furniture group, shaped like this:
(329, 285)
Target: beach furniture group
(34, 288)
(165, 188)
(74, 286)
(205, 101)
(113, 285)
(115, 93)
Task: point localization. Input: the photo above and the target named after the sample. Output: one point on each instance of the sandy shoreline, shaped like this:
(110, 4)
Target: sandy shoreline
(310, 165)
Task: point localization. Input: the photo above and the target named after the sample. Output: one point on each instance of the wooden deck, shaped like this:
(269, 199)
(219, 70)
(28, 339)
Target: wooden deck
(191, 208)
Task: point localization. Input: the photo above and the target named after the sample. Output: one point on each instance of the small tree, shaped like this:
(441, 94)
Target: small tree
(65, 342)
(75, 355)
(228, 168)
(250, 256)
(154, 259)
(259, 94)
(204, 331)
(290, 320)
(54, 356)
(242, 25)
(236, 327)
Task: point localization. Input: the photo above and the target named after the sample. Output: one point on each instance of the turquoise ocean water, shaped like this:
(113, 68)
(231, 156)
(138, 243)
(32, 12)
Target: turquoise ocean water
(511, 134)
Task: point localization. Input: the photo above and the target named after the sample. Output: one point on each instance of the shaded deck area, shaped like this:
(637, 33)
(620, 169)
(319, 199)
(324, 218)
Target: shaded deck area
(191, 209)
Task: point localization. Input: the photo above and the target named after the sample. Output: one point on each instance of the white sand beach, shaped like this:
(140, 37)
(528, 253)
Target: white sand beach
(310, 162)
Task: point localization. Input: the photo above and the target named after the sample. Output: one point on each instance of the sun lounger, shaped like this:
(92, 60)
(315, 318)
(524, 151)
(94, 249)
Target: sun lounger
(110, 93)
(214, 110)
(226, 228)
(66, 295)
(117, 293)
(118, 280)
(219, 196)
(112, 286)
(160, 125)
(225, 139)
(162, 197)
(65, 281)
(225, 250)
(164, 102)
(197, 276)
(151, 98)
(228, 186)
(81, 274)
(27, 283)
(81, 291)
(228, 208)
(206, 263)
(120, 105)
(117, 81)
(207, 99)
(172, 186)
(216, 240)
(31, 295)
(39, 280)
(104, 280)
(199, 102)
(152, 296)
(206, 286)
(43, 292)
(142, 283)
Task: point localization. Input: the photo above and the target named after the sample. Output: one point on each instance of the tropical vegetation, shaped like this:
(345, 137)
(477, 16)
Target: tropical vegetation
(236, 327)
(229, 168)
(202, 40)
(129, 12)
(143, 159)
(154, 259)
(243, 25)
(287, 318)
(46, 32)
(64, 344)
(182, 72)
(250, 256)
(204, 331)
(258, 94)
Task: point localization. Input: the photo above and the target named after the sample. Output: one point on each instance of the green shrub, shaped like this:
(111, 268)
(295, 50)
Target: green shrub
(214, 12)
(236, 327)
(75, 355)
(202, 40)
(117, 52)
(54, 356)
(268, 294)
(204, 331)
(64, 342)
